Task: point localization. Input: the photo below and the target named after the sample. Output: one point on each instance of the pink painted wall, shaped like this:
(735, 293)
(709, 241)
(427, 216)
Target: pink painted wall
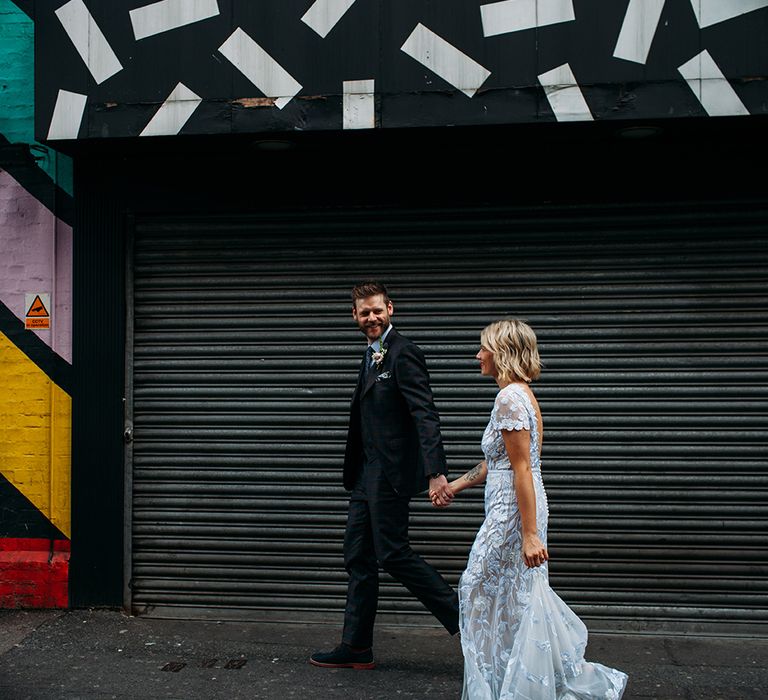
(35, 256)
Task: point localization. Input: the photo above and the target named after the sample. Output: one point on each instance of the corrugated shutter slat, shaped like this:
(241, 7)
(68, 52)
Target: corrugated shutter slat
(653, 329)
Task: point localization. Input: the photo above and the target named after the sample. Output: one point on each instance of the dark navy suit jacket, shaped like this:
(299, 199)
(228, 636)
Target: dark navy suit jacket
(394, 414)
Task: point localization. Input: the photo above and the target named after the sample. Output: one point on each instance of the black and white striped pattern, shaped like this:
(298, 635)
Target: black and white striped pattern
(431, 63)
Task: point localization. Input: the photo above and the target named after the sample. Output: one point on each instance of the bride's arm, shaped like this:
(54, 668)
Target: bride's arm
(518, 443)
(474, 476)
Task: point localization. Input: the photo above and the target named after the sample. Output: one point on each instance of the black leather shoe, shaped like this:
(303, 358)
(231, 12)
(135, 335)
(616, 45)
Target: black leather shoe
(343, 657)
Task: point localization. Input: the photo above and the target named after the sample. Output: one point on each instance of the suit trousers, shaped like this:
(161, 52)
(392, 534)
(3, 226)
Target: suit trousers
(377, 534)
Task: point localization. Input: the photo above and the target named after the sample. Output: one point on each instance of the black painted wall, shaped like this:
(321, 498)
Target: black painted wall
(98, 350)
(365, 44)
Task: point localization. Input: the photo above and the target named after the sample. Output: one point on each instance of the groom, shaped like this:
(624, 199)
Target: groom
(394, 450)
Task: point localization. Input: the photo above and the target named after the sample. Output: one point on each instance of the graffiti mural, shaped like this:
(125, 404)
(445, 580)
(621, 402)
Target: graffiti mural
(138, 68)
(35, 338)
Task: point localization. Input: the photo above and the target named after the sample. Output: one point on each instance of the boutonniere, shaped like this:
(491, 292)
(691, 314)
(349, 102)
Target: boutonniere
(378, 355)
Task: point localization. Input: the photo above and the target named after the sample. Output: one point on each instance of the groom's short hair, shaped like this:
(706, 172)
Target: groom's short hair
(369, 288)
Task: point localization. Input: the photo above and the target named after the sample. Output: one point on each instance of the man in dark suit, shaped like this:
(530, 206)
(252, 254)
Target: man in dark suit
(394, 451)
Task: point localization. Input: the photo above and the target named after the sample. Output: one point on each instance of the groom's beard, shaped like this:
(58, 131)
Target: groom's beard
(374, 331)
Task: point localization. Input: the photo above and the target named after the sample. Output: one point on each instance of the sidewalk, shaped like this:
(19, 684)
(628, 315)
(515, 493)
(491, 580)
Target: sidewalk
(89, 655)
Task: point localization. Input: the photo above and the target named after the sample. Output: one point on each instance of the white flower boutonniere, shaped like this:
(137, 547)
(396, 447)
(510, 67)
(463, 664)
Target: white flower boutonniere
(378, 355)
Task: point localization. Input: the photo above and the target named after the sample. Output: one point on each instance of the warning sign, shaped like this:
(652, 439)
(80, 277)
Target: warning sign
(38, 317)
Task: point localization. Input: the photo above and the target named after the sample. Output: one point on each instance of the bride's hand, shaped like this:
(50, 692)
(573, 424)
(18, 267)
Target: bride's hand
(534, 552)
(443, 502)
(437, 502)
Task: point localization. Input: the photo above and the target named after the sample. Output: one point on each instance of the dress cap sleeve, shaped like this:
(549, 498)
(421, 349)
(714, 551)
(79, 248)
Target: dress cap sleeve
(509, 412)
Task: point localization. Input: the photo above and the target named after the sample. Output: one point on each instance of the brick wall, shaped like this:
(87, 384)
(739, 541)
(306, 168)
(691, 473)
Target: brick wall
(35, 410)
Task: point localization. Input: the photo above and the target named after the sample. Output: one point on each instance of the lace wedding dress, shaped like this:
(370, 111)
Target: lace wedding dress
(520, 640)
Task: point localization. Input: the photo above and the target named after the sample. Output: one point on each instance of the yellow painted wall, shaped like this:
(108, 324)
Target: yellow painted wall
(35, 435)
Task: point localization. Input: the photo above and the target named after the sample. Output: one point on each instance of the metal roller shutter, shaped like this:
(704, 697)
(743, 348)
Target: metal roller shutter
(653, 325)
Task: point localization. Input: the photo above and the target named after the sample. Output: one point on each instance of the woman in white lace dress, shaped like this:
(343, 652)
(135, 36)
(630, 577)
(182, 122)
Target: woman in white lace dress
(520, 640)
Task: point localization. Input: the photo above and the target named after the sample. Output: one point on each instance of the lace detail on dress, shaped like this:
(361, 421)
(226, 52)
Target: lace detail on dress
(520, 640)
(509, 411)
(512, 410)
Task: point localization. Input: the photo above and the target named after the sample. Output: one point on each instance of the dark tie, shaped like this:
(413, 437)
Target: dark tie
(368, 362)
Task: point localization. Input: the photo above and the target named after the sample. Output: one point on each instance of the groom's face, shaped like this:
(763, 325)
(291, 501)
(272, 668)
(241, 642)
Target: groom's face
(372, 315)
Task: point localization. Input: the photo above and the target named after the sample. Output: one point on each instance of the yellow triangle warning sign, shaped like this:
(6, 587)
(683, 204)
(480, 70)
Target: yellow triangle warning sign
(37, 309)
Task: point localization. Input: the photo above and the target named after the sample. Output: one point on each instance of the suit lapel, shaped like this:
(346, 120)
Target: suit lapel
(359, 385)
(369, 380)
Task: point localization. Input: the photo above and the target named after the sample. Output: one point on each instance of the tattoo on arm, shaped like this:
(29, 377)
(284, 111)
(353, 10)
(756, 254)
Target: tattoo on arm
(473, 473)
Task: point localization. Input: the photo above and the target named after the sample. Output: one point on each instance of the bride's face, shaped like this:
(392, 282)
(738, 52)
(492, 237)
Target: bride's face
(487, 365)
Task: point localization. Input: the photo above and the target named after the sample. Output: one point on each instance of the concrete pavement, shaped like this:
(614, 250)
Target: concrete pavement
(101, 654)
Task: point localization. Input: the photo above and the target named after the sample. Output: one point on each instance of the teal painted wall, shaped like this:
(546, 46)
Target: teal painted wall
(17, 90)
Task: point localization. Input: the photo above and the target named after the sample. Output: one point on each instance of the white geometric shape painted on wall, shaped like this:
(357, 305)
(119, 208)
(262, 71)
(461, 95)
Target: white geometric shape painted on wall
(359, 110)
(167, 15)
(260, 68)
(518, 15)
(638, 30)
(711, 87)
(173, 113)
(324, 15)
(249, 60)
(564, 95)
(445, 60)
(89, 40)
(709, 12)
(67, 115)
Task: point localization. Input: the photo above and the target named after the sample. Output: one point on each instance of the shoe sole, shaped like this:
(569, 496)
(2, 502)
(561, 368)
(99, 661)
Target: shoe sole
(356, 666)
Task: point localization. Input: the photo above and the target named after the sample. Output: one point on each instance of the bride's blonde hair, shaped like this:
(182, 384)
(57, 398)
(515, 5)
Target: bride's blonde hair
(514, 348)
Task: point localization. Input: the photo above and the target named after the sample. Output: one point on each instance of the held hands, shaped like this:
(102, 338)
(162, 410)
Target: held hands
(534, 552)
(440, 492)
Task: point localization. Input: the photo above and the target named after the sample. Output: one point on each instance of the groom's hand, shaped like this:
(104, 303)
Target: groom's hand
(440, 492)
(438, 504)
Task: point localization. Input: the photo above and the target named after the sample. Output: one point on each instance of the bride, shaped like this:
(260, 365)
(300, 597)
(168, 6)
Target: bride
(520, 640)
